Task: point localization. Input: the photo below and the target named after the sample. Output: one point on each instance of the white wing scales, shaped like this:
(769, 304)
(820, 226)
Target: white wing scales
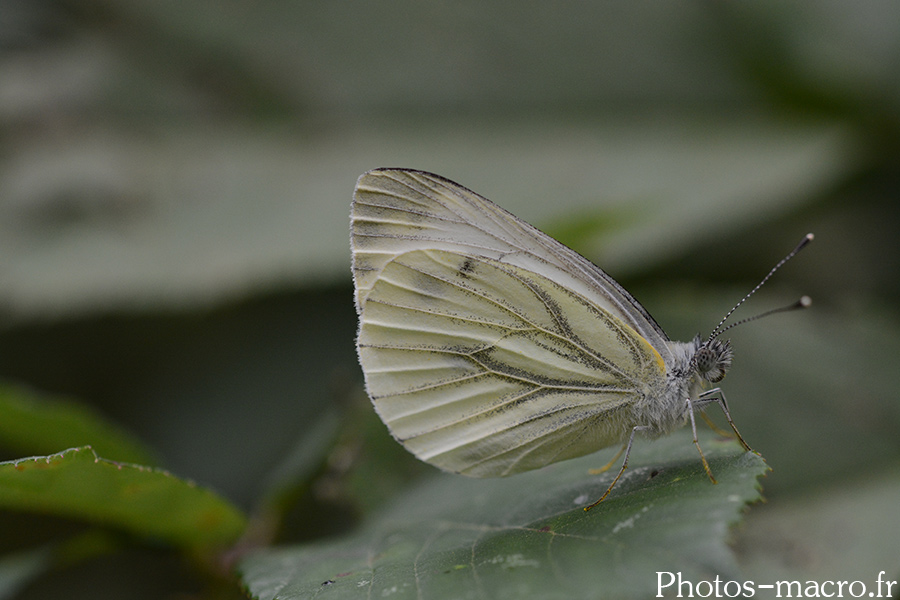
(397, 210)
(488, 347)
(488, 369)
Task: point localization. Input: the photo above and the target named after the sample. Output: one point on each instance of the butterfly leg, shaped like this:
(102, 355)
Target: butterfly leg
(696, 443)
(712, 425)
(716, 395)
(609, 465)
(627, 449)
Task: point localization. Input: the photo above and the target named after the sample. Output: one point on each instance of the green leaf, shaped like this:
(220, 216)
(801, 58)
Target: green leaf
(676, 171)
(32, 423)
(528, 535)
(786, 540)
(143, 501)
(17, 570)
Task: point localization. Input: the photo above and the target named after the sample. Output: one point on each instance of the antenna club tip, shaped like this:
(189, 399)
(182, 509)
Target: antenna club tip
(806, 240)
(804, 302)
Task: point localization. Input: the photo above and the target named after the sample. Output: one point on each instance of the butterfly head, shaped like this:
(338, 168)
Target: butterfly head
(713, 359)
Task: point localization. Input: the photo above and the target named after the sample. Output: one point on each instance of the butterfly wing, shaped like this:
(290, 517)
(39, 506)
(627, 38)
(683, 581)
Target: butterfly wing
(488, 347)
(487, 369)
(399, 210)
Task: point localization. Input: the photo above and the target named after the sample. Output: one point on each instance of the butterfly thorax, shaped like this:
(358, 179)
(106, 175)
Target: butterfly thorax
(691, 367)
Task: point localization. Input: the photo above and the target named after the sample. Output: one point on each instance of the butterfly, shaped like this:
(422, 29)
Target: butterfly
(489, 348)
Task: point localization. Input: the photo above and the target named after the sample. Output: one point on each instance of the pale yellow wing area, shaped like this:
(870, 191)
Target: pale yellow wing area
(398, 210)
(488, 369)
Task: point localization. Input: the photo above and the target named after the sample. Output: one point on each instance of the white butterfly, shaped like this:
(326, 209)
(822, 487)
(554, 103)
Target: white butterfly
(490, 348)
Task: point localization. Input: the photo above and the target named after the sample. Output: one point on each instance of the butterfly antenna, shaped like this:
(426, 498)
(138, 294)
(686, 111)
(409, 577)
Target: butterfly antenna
(802, 303)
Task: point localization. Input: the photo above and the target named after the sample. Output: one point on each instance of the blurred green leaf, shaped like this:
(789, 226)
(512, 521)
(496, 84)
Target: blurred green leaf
(17, 570)
(680, 175)
(299, 465)
(528, 536)
(787, 539)
(143, 501)
(583, 228)
(33, 423)
(377, 466)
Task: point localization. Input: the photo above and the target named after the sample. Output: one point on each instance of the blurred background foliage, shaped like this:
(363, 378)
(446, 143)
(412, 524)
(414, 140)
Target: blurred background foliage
(175, 179)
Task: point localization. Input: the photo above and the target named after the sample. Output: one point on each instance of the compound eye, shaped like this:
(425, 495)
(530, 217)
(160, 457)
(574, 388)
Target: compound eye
(713, 361)
(704, 360)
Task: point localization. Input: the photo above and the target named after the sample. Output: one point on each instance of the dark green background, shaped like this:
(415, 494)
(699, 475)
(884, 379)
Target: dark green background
(175, 180)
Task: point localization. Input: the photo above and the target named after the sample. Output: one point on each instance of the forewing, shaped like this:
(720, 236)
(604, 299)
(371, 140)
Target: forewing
(398, 210)
(488, 369)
